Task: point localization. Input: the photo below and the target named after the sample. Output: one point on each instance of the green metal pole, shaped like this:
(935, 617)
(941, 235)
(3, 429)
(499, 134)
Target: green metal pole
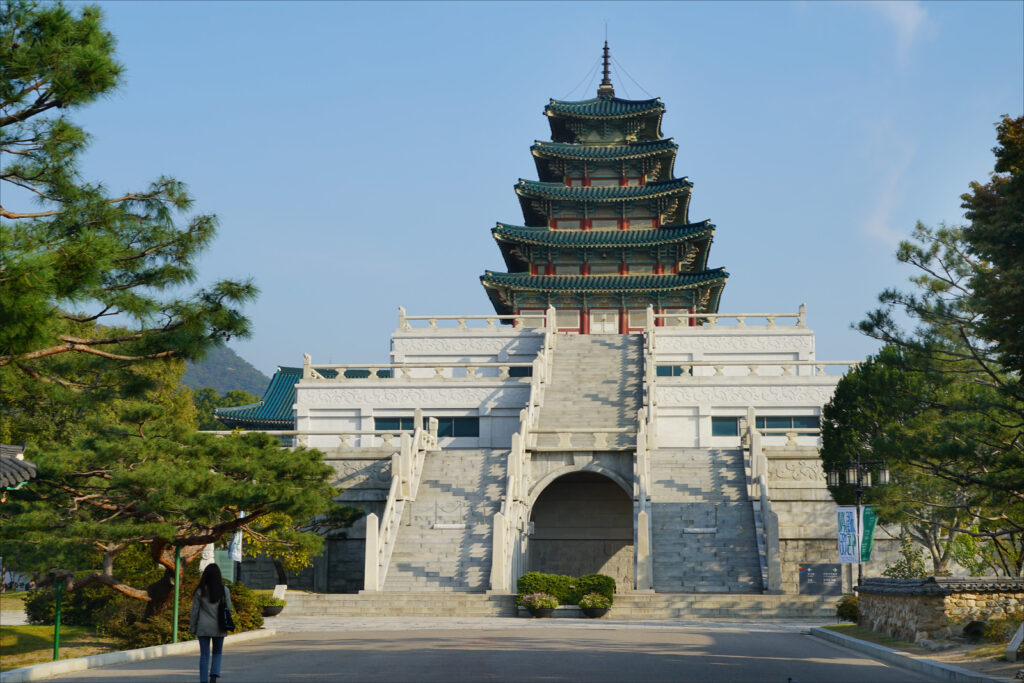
(177, 583)
(56, 621)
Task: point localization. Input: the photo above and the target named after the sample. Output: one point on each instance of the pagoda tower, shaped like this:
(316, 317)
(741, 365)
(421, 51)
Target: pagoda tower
(606, 231)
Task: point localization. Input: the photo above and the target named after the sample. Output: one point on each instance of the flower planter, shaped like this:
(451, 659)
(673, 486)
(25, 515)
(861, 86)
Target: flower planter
(541, 612)
(595, 612)
(272, 610)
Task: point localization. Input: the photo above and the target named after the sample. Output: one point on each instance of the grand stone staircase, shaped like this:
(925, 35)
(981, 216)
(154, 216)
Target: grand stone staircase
(444, 542)
(595, 384)
(703, 525)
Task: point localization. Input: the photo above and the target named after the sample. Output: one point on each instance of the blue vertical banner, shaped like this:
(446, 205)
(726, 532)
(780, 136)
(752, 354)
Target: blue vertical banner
(848, 538)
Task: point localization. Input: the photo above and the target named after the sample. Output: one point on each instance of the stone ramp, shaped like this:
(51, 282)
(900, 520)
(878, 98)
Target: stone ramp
(444, 543)
(627, 607)
(703, 527)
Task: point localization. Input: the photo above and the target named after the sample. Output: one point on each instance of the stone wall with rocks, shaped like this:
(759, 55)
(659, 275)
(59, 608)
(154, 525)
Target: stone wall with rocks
(935, 608)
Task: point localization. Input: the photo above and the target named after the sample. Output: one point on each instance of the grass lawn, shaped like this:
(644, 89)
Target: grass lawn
(860, 633)
(28, 645)
(13, 599)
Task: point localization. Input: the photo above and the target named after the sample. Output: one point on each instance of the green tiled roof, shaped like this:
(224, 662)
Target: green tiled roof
(533, 188)
(603, 152)
(603, 283)
(273, 412)
(542, 236)
(604, 107)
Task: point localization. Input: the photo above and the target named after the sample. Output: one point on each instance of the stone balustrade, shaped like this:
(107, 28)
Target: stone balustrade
(469, 323)
(935, 608)
(353, 438)
(756, 368)
(393, 372)
(708, 320)
(582, 439)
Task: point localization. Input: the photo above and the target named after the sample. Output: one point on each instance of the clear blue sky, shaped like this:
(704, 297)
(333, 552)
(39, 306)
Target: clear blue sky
(358, 154)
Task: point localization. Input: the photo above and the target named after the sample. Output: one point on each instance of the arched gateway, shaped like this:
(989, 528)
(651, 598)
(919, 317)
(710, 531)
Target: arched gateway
(582, 523)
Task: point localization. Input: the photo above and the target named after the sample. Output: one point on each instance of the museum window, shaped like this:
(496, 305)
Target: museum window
(393, 424)
(446, 426)
(725, 426)
(674, 370)
(788, 422)
(521, 371)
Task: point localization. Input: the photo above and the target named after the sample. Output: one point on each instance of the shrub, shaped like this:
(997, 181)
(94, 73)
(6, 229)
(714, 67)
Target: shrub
(117, 615)
(846, 608)
(536, 600)
(567, 589)
(595, 600)
(1001, 630)
(264, 600)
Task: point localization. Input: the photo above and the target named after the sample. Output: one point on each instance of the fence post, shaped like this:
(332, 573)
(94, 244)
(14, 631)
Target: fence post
(370, 561)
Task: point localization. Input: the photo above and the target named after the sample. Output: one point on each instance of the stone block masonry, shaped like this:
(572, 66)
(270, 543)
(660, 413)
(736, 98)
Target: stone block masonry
(936, 608)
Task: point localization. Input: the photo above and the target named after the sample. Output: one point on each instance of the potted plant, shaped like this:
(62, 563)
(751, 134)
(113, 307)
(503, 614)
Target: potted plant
(595, 605)
(270, 605)
(539, 604)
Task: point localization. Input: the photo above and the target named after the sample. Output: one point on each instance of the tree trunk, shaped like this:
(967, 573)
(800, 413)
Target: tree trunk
(282, 578)
(161, 593)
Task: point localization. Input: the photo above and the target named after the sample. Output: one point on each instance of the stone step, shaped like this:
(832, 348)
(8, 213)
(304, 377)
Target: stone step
(627, 606)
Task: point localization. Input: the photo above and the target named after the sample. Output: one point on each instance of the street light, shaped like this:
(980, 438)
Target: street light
(858, 474)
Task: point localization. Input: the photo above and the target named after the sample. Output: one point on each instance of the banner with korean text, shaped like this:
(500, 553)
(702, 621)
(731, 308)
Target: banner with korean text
(848, 541)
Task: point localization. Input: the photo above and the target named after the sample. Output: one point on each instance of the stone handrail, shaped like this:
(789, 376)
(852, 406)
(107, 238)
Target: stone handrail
(391, 372)
(790, 432)
(346, 437)
(463, 322)
(599, 439)
(511, 521)
(759, 495)
(406, 470)
(786, 367)
(643, 561)
(712, 319)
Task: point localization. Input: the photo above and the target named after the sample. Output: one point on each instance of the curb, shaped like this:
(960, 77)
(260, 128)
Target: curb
(936, 671)
(38, 672)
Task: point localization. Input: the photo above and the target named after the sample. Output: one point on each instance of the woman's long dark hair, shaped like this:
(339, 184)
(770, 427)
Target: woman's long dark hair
(211, 585)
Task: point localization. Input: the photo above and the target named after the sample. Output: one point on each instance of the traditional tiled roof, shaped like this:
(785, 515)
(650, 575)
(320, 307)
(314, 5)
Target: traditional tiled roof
(542, 236)
(604, 107)
(539, 190)
(940, 585)
(603, 283)
(273, 412)
(635, 150)
(14, 470)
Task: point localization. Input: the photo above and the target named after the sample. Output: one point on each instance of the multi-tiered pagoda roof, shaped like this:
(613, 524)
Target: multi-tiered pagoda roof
(606, 227)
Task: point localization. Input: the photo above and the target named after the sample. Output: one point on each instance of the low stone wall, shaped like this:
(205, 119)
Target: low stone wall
(935, 608)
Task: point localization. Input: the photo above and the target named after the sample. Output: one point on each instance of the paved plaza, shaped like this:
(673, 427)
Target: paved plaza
(485, 649)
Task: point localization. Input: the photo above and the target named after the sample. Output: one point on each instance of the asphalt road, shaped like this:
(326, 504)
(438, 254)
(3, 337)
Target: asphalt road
(532, 650)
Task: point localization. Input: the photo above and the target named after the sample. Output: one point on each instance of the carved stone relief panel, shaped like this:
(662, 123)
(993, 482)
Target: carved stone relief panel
(362, 474)
(746, 395)
(690, 343)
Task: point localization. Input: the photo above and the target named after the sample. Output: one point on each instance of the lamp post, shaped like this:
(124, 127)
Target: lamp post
(858, 474)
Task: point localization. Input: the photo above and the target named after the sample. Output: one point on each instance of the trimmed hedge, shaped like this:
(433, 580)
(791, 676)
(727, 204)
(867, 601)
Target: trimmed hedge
(568, 589)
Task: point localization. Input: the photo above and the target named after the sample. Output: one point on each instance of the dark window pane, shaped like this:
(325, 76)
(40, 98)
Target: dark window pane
(520, 372)
(760, 422)
(778, 422)
(445, 426)
(664, 371)
(392, 423)
(806, 422)
(467, 426)
(725, 426)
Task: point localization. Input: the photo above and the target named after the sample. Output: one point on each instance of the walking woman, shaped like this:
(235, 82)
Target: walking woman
(205, 622)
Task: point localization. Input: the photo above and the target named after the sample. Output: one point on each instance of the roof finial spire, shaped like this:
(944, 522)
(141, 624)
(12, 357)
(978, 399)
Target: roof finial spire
(606, 89)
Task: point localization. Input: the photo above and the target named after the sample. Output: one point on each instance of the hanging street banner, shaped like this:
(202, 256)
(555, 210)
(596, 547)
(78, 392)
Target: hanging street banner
(847, 519)
(867, 534)
(235, 547)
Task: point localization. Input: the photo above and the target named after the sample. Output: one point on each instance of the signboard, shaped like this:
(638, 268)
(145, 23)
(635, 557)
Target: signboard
(867, 534)
(821, 579)
(847, 521)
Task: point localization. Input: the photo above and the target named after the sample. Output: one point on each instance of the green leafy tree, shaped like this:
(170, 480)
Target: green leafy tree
(150, 480)
(83, 271)
(207, 398)
(960, 359)
(995, 235)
